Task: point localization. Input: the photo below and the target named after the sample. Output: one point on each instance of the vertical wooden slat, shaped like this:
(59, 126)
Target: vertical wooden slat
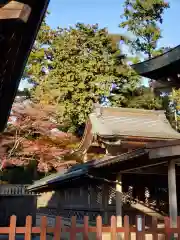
(99, 228)
(85, 229)
(167, 228)
(28, 228)
(113, 228)
(57, 229)
(73, 228)
(43, 228)
(127, 234)
(12, 228)
(140, 233)
(154, 228)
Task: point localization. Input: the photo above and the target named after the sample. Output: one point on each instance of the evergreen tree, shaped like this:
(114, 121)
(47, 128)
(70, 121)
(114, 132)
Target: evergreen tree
(84, 67)
(160, 51)
(174, 108)
(143, 97)
(39, 62)
(143, 19)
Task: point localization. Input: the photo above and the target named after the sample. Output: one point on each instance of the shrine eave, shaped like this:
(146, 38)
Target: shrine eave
(152, 159)
(19, 24)
(160, 67)
(83, 170)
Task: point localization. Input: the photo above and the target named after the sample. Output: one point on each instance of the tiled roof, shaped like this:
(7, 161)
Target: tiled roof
(124, 122)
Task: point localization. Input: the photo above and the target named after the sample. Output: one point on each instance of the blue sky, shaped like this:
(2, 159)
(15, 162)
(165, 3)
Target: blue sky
(107, 14)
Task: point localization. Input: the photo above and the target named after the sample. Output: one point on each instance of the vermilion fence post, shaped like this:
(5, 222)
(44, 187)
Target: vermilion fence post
(73, 228)
(167, 228)
(85, 228)
(113, 228)
(28, 228)
(99, 228)
(126, 230)
(12, 228)
(154, 229)
(127, 234)
(43, 228)
(57, 229)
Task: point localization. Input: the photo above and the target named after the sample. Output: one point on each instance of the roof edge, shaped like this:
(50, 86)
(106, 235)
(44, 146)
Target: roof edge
(156, 57)
(85, 168)
(131, 110)
(158, 62)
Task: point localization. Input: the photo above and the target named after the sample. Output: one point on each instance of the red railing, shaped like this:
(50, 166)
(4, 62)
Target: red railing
(140, 230)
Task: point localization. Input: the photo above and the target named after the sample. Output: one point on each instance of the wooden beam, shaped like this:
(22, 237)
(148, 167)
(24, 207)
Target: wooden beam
(133, 144)
(166, 143)
(164, 152)
(15, 10)
(146, 173)
(144, 167)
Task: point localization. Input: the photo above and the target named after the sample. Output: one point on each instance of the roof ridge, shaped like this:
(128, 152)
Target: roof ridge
(128, 110)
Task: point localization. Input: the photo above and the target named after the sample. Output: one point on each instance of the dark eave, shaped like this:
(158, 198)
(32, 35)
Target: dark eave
(17, 38)
(81, 170)
(137, 161)
(160, 67)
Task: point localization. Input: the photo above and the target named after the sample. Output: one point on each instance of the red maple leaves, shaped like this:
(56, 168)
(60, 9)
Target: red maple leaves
(32, 135)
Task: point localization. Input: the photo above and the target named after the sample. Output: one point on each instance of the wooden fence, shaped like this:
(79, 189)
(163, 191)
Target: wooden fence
(140, 230)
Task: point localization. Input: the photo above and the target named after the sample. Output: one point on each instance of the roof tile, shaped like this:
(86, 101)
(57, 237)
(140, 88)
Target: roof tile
(132, 122)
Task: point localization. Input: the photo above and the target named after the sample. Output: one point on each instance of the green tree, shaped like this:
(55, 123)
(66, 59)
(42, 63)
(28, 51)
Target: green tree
(143, 19)
(84, 66)
(143, 97)
(39, 60)
(174, 108)
(160, 51)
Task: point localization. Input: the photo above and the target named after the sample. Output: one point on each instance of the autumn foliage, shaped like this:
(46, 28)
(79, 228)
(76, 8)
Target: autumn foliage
(32, 136)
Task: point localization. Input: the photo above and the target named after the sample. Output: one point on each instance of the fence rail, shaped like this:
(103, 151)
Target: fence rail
(14, 190)
(140, 230)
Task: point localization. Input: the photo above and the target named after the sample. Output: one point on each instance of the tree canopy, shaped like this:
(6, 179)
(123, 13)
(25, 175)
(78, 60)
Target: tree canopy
(143, 19)
(83, 63)
(33, 137)
(144, 98)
